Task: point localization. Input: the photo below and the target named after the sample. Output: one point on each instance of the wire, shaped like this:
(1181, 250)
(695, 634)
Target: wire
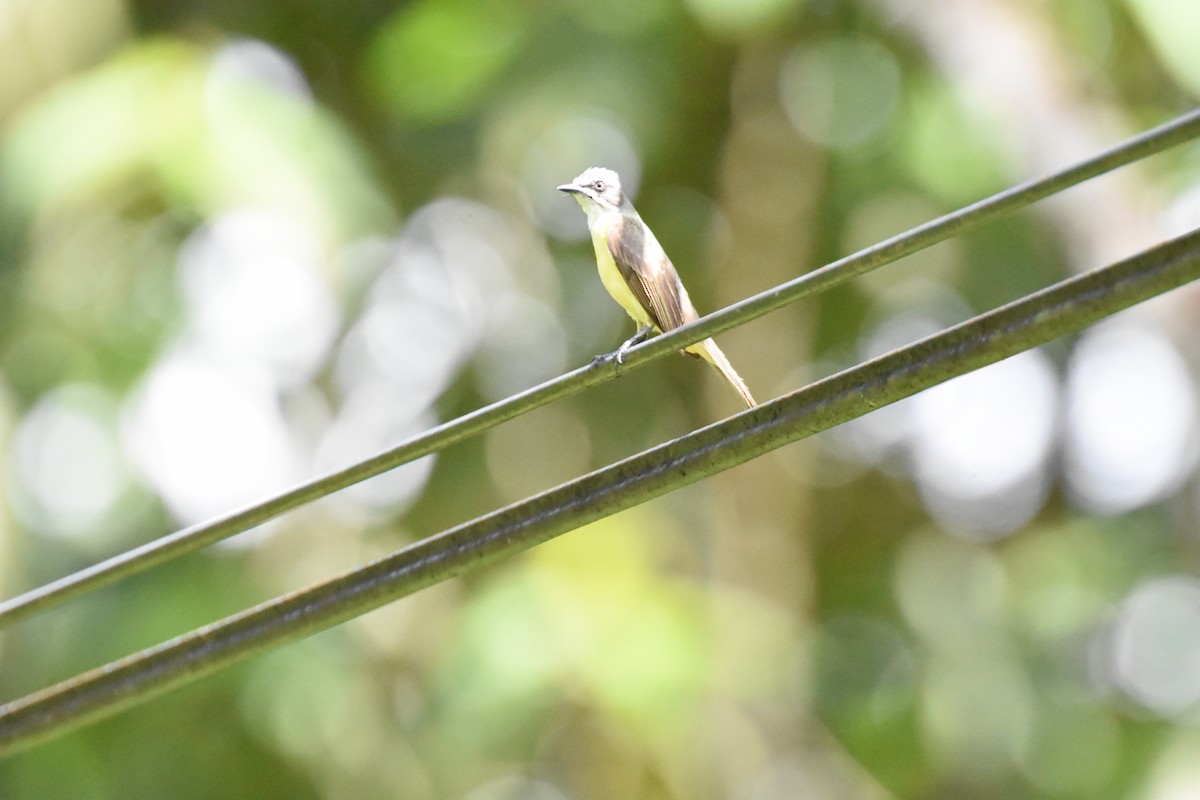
(1031, 321)
(195, 537)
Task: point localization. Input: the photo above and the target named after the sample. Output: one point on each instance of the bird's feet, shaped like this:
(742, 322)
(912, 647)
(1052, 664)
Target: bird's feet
(618, 355)
(637, 338)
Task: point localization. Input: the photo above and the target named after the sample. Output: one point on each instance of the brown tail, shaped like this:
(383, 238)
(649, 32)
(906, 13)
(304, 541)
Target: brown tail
(709, 351)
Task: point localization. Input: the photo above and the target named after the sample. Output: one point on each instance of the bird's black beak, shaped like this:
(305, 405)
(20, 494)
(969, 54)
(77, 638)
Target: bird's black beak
(570, 188)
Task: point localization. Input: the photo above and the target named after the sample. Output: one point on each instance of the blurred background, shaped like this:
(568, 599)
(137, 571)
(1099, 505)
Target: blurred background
(242, 244)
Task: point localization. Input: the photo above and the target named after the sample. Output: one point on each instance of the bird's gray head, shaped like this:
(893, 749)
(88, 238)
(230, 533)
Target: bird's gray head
(598, 190)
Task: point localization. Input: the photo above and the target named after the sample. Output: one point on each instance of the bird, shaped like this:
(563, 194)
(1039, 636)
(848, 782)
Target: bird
(635, 269)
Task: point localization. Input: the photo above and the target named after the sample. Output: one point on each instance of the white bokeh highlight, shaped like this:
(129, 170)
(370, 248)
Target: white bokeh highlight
(981, 444)
(209, 436)
(254, 289)
(1131, 422)
(67, 471)
(1155, 656)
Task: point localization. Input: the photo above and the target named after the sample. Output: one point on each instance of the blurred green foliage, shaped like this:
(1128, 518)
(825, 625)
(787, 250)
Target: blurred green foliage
(242, 243)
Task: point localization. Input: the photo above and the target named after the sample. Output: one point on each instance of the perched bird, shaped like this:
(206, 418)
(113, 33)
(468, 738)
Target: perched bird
(636, 271)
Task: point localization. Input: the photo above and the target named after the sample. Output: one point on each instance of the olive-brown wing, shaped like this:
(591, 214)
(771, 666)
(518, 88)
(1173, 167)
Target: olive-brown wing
(648, 272)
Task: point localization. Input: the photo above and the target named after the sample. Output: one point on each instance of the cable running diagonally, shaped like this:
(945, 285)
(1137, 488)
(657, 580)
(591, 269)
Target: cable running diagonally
(187, 540)
(1031, 321)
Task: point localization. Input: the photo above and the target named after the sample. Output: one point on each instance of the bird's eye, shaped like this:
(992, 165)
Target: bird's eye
(599, 186)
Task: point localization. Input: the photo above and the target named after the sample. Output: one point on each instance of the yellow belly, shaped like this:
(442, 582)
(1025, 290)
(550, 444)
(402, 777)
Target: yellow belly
(614, 282)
